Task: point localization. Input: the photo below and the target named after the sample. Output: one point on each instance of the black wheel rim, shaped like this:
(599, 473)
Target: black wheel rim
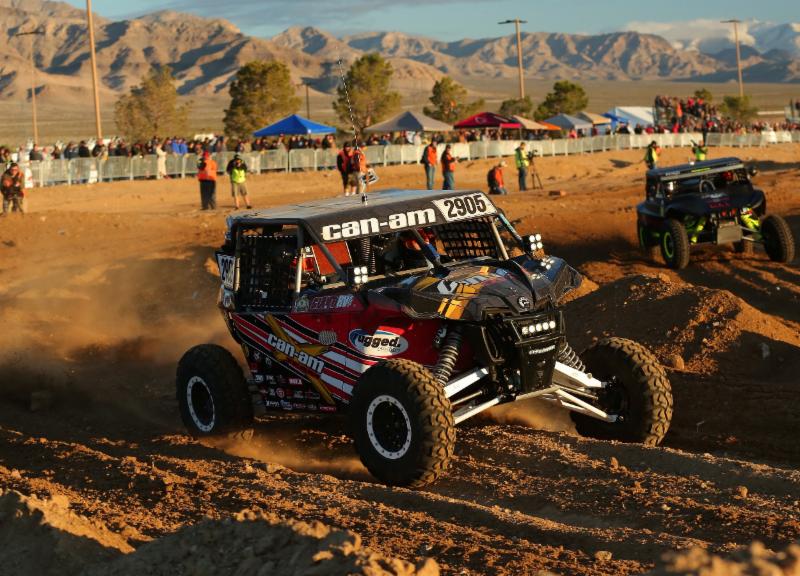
(390, 427)
(201, 403)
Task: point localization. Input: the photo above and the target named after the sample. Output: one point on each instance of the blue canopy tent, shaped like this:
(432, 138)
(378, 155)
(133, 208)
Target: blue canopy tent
(294, 124)
(567, 122)
(632, 115)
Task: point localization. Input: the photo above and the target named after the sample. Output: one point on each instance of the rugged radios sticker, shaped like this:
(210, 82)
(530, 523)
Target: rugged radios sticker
(380, 343)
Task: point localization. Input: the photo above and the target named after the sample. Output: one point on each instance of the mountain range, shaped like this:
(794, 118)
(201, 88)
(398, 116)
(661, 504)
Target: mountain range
(205, 53)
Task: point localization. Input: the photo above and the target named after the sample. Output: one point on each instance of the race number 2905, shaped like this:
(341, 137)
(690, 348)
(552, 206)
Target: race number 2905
(466, 206)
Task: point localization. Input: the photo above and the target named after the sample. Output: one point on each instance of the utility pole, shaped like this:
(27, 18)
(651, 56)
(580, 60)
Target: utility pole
(308, 104)
(736, 23)
(90, 25)
(32, 33)
(517, 21)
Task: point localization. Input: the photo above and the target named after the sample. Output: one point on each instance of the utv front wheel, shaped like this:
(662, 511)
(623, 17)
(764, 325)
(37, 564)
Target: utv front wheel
(212, 393)
(778, 239)
(675, 244)
(638, 393)
(402, 424)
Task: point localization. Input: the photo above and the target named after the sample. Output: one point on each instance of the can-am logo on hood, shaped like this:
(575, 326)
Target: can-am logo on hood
(381, 343)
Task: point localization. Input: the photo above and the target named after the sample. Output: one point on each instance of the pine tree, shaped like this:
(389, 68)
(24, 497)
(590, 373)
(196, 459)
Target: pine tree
(261, 93)
(449, 99)
(152, 109)
(367, 83)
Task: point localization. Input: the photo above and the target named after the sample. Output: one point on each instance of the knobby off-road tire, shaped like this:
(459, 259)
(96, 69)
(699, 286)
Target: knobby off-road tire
(212, 393)
(778, 239)
(648, 248)
(675, 244)
(402, 424)
(639, 392)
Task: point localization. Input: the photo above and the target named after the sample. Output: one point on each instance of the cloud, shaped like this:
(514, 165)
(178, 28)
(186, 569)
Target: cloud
(702, 34)
(279, 14)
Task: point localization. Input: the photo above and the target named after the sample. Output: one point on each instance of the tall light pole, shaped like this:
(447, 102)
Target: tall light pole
(90, 25)
(32, 33)
(736, 23)
(517, 21)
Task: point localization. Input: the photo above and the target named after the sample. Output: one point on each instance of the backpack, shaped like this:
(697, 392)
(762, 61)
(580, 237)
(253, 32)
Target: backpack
(490, 179)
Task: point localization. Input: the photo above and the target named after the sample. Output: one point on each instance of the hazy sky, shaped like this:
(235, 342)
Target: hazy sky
(452, 19)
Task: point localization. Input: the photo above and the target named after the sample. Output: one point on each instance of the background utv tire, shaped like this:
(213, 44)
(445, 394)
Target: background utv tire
(402, 424)
(640, 393)
(212, 393)
(648, 248)
(675, 244)
(778, 239)
(744, 247)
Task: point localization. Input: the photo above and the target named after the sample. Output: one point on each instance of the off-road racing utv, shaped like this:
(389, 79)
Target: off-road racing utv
(711, 202)
(411, 311)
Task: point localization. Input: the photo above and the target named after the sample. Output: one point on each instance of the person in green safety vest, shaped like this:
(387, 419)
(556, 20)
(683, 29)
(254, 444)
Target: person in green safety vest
(237, 170)
(700, 151)
(651, 155)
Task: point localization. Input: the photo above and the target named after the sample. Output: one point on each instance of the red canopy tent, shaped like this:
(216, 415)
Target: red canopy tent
(488, 120)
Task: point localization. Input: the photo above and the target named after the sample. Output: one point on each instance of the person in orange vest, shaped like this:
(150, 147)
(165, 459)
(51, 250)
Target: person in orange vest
(448, 169)
(207, 175)
(357, 172)
(495, 179)
(429, 161)
(343, 165)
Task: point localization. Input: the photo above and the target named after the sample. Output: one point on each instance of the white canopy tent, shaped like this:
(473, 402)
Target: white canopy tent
(634, 115)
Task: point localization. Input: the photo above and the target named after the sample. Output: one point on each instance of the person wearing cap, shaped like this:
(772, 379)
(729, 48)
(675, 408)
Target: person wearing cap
(522, 162)
(448, 169)
(207, 176)
(495, 179)
(12, 189)
(429, 161)
(651, 155)
(357, 172)
(343, 165)
(237, 171)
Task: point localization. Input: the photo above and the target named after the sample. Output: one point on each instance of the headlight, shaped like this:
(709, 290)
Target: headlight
(525, 330)
(552, 324)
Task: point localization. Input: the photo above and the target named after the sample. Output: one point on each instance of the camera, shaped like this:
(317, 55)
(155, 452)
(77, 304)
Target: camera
(532, 154)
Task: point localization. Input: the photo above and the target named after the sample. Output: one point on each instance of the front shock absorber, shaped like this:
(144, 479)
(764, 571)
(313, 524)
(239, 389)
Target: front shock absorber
(569, 357)
(448, 356)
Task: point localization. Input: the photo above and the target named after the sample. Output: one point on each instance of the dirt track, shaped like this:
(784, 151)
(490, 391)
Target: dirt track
(103, 287)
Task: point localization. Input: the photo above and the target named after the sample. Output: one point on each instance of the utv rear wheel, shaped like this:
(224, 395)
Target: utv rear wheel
(638, 393)
(402, 424)
(675, 244)
(778, 239)
(648, 247)
(212, 393)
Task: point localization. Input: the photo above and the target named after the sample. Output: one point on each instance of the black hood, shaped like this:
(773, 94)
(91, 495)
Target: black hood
(469, 292)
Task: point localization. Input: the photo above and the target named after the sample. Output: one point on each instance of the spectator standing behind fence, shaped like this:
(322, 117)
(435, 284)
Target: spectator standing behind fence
(651, 155)
(429, 161)
(207, 175)
(161, 161)
(35, 154)
(343, 166)
(357, 169)
(448, 169)
(522, 162)
(495, 179)
(13, 190)
(237, 170)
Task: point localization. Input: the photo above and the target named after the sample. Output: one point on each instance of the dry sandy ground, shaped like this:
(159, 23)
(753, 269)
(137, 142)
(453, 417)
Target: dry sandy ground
(103, 287)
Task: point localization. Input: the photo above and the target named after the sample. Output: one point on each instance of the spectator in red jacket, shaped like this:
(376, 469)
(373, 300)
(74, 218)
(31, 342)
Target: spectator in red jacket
(448, 169)
(343, 165)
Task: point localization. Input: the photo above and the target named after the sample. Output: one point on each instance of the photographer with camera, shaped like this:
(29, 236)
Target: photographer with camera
(207, 176)
(495, 179)
(522, 161)
(700, 151)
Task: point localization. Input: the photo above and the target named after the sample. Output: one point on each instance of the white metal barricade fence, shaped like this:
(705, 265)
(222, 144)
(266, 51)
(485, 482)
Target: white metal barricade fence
(51, 172)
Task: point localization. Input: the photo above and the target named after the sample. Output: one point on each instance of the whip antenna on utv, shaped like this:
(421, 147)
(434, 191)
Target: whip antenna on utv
(349, 105)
